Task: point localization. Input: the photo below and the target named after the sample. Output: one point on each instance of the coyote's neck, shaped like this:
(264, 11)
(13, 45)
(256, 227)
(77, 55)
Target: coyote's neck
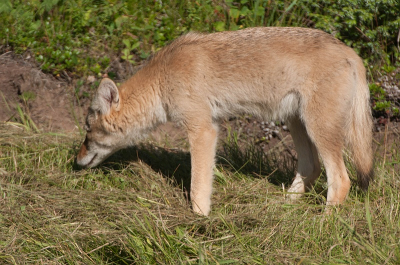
(141, 101)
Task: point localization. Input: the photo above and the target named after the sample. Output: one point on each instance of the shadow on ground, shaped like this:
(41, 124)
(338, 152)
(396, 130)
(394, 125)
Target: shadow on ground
(277, 167)
(175, 165)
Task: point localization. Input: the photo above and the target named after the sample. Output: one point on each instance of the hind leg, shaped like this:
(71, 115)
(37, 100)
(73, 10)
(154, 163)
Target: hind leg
(308, 169)
(338, 179)
(328, 136)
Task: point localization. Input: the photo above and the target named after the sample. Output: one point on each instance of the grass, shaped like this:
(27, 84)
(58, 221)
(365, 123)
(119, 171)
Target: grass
(133, 209)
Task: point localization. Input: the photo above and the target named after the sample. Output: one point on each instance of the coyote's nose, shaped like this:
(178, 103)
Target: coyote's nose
(82, 152)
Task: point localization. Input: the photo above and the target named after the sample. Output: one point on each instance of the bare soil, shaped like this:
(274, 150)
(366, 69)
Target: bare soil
(48, 101)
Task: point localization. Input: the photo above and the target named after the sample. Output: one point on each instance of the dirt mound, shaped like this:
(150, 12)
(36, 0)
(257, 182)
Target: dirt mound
(47, 101)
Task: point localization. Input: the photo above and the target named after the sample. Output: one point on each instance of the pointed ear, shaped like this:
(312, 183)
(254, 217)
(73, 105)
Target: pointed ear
(106, 96)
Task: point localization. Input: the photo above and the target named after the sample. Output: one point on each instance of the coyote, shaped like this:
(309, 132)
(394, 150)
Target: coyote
(303, 76)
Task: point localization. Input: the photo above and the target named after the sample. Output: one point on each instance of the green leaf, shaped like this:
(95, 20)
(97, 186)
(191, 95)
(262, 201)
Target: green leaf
(134, 46)
(259, 11)
(86, 17)
(244, 11)
(36, 25)
(219, 26)
(120, 20)
(49, 4)
(234, 13)
(5, 6)
(127, 43)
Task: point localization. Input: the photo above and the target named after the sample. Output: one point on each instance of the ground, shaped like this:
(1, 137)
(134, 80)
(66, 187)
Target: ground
(45, 99)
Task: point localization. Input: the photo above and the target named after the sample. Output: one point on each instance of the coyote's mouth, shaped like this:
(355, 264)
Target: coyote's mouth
(91, 161)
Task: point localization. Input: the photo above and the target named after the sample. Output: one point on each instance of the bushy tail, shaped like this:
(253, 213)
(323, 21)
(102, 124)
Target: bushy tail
(359, 131)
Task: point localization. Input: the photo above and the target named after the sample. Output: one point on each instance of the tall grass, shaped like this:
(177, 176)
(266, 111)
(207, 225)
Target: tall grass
(133, 210)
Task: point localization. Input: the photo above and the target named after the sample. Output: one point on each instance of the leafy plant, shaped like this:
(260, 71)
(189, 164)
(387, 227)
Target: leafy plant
(377, 92)
(370, 27)
(129, 47)
(380, 103)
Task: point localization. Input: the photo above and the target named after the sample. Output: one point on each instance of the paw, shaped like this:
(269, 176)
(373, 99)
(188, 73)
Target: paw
(201, 208)
(295, 192)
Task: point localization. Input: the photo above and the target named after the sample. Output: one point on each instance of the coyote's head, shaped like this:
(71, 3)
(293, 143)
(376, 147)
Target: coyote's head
(104, 136)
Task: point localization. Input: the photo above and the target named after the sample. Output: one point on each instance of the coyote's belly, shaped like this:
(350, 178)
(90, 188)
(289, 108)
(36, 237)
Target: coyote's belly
(281, 109)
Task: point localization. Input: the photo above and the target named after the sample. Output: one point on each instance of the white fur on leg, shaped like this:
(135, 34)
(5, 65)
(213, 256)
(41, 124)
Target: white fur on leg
(297, 188)
(202, 206)
(202, 152)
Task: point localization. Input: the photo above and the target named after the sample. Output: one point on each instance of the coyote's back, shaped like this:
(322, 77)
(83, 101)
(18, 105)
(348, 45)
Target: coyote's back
(304, 76)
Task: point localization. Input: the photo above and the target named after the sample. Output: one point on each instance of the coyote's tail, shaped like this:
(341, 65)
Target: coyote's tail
(359, 129)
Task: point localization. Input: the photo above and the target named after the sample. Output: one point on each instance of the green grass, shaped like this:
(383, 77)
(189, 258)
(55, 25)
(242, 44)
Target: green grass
(133, 209)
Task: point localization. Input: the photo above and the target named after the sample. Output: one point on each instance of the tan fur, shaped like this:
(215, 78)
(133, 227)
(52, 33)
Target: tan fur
(304, 76)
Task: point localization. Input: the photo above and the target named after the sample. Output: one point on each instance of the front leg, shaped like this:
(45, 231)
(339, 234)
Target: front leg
(202, 139)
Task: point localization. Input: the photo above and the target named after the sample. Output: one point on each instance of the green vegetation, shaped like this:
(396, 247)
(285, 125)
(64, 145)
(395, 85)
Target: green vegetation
(131, 211)
(380, 105)
(80, 35)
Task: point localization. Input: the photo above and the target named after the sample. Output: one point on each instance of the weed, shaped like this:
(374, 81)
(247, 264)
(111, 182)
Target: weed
(128, 49)
(381, 105)
(24, 114)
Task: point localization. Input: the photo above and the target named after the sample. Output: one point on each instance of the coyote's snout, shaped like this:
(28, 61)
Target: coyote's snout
(303, 76)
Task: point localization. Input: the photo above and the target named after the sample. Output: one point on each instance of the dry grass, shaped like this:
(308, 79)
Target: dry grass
(133, 210)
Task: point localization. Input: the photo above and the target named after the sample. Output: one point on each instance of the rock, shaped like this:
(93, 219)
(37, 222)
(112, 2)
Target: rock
(90, 79)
